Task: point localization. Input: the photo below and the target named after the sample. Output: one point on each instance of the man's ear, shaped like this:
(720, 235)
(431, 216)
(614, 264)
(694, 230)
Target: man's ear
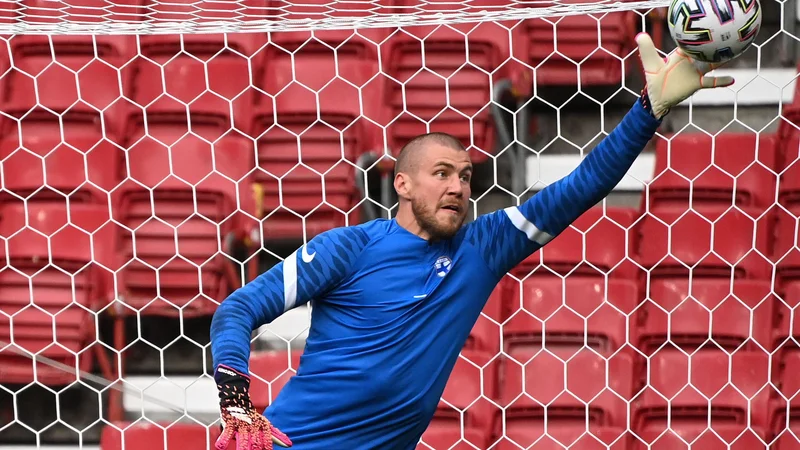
(402, 185)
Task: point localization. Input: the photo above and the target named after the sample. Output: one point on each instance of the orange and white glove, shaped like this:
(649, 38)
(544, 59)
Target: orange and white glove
(671, 81)
(240, 420)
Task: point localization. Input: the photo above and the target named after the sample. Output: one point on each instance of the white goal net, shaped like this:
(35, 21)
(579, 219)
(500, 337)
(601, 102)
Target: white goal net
(156, 155)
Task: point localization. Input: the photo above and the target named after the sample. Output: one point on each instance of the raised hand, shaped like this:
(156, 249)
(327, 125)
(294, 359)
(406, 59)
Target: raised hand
(671, 81)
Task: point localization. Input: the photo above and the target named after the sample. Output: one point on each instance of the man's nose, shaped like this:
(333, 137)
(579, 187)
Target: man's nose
(455, 187)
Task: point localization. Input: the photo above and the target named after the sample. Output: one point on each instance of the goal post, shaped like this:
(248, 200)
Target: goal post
(157, 155)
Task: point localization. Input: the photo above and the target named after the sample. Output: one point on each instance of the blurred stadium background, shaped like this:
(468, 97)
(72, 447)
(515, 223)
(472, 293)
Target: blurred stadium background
(147, 175)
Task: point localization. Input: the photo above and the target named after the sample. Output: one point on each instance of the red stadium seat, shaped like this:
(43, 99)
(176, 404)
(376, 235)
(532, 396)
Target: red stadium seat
(338, 94)
(485, 335)
(729, 169)
(49, 287)
(446, 85)
(8, 13)
(594, 245)
(711, 241)
(145, 435)
(700, 436)
(785, 251)
(707, 312)
(45, 168)
(201, 13)
(507, 292)
(84, 11)
(523, 433)
(571, 385)
(305, 138)
(82, 233)
(788, 143)
(788, 138)
(786, 328)
(319, 44)
(788, 440)
(785, 408)
(452, 438)
(728, 388)
(80, 93)
(269, 372)
(182, 95)
(181, 206)
(572, 312)
(312, 68)
(597, 43)
(466, 399)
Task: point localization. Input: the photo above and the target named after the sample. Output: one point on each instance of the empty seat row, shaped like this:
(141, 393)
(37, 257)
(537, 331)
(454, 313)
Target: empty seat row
(732, 168)
(165, 232)
(609, 317)
(544, 390)
(230, 95)
(172, 261)
(332, 146)
(166, 99)
(326, 125)
(624, 243)
(680, 436)
(148, 435)
(301, 156)
(218, 95)
(65, 266)
(49, 289)
(176, 208)
(613, 316)
(523, 396)
(231, 180)
(555, 47)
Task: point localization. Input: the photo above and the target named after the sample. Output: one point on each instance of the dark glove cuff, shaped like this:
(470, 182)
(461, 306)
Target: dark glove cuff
(226, 376)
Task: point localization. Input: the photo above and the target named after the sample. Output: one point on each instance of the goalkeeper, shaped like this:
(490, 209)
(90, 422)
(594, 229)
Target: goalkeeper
(395, 300)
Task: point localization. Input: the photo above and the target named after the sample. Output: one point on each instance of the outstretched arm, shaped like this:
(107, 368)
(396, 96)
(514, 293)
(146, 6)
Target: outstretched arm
(507, 237)
(304, 275)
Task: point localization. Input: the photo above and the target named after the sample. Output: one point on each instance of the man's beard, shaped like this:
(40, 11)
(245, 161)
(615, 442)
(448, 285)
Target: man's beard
(427, 221)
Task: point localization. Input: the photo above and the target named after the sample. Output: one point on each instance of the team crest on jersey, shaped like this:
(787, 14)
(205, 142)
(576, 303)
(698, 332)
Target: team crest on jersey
(443, 265)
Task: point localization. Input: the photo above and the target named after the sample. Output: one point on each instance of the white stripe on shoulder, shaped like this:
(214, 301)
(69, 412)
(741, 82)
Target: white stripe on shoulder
(527, 227)
(290, 281)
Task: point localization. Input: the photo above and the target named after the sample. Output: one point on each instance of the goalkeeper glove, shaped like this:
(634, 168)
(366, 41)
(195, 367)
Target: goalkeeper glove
(671, 81)
(240, 419)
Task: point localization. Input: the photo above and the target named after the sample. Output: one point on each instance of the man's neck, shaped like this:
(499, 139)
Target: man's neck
(405, 218)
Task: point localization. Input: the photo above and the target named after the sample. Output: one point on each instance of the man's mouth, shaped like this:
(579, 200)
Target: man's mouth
(452, 208)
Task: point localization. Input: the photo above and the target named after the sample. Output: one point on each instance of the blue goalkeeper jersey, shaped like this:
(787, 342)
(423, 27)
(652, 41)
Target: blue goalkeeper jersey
(391, 311)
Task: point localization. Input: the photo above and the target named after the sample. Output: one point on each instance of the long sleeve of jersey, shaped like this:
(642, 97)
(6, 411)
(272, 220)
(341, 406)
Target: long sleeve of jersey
(306, 274)
(508, 236)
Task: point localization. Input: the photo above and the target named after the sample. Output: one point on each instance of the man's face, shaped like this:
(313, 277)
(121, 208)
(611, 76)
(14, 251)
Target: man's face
(440, 190)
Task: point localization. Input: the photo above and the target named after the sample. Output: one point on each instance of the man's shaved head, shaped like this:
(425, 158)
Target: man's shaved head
(409, 154)
(432, 180)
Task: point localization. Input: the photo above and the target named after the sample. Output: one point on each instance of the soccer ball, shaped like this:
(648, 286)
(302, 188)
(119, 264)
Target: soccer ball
(714, 31)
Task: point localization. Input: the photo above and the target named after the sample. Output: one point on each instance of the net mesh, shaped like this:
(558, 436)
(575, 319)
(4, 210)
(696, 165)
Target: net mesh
(156, 156)
(209, 16)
